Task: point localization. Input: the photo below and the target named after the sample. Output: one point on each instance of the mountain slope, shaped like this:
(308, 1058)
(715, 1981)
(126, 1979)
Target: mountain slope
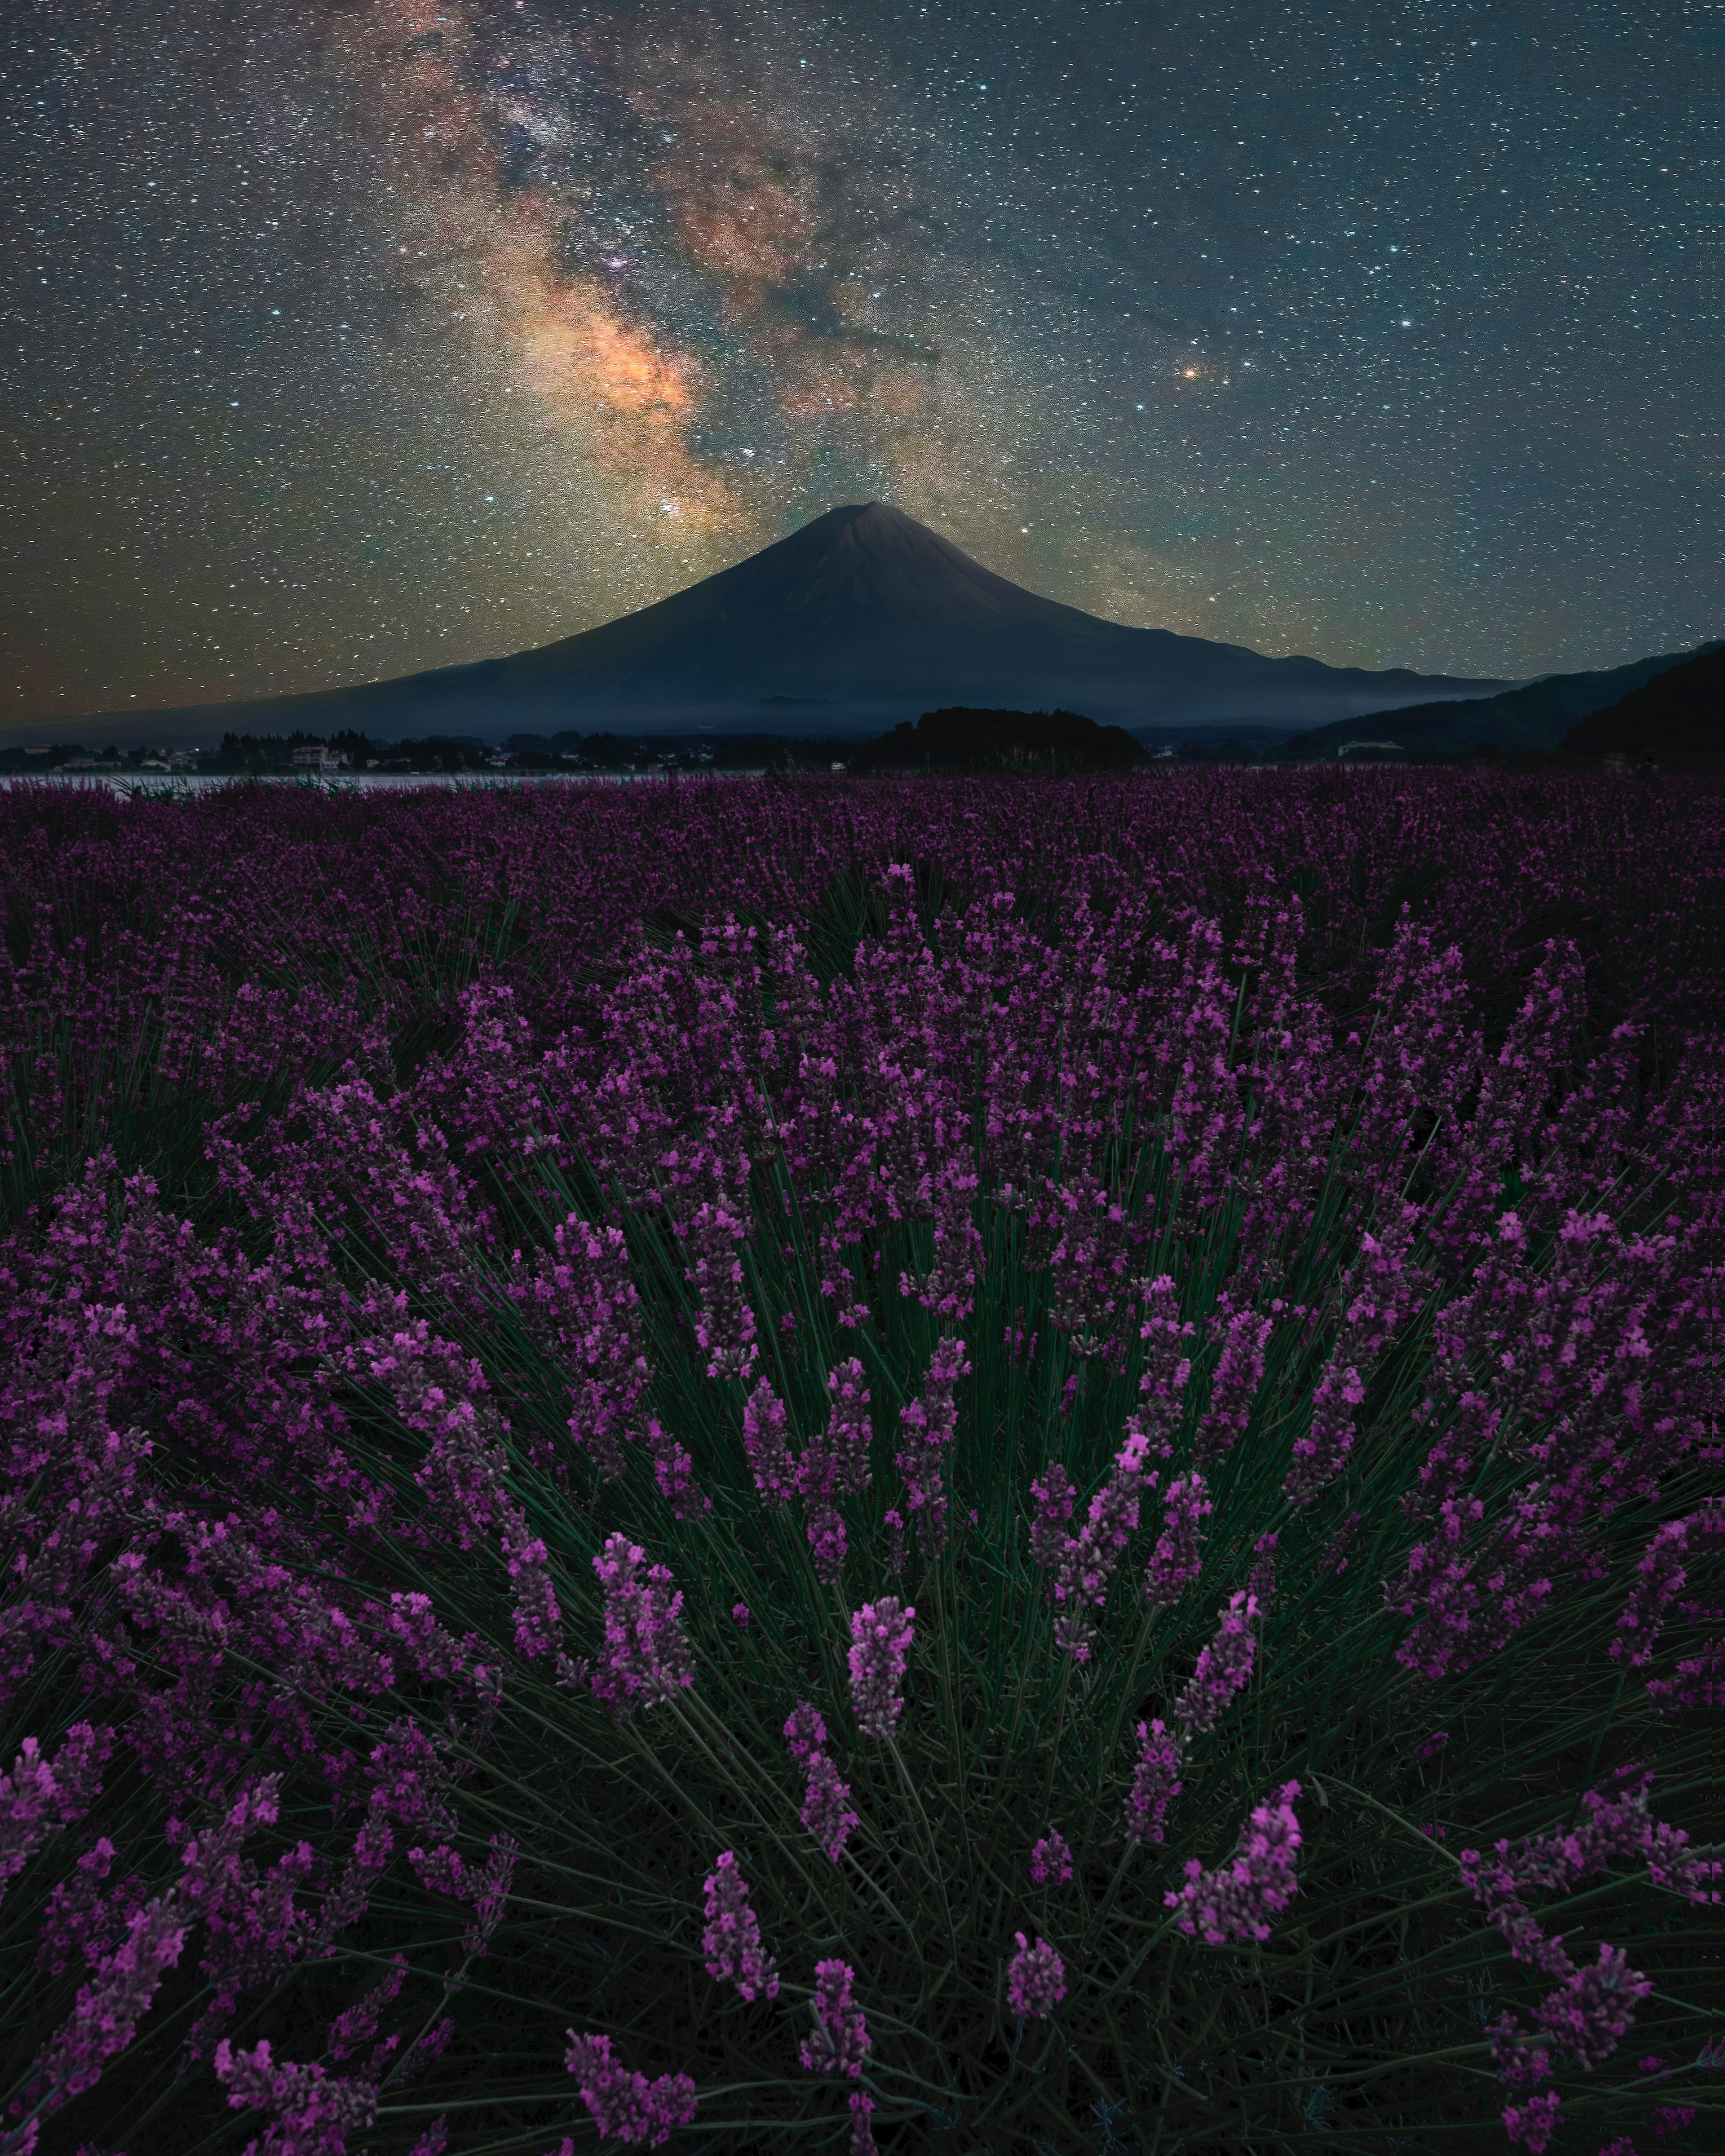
(1534, 718)
(1680, 712)
(869, 611)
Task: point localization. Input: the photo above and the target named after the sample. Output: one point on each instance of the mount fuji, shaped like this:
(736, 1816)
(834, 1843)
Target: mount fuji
(861, 617)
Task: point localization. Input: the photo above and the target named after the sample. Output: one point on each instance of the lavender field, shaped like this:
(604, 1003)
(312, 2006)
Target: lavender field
(975, 1466)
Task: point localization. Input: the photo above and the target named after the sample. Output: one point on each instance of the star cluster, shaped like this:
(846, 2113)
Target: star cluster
(345, 337)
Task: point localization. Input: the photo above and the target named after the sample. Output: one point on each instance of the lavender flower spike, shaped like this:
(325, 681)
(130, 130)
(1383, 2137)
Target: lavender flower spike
(38, 1797)
(731, 1941)
(1035, 1981)
(1051, 1859)
(314, 2110)
(763, 1440)
(825, 1806)
(626, 2104)
(1223, 1668)
(1054, 1508)
(1082, 1564)
(1176, 1560)
(1156, 1781)
(931, 1423)
(805, 1730)
(647, 1657)
(1236, 1904)
(1321, 1455)
(841, 2039)
(881, 1632)
(1239, 1373)
(1590, 2014)
(826, 1811)
(110, 2008)
(849, 1431)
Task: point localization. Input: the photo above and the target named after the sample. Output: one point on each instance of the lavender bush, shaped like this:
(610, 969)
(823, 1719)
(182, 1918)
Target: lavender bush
(1015, 1467)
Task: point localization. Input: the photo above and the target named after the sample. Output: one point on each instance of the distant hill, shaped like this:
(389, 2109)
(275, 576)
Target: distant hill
(966, 739)
(1533, 718)
(1679, 714)
(862, 618)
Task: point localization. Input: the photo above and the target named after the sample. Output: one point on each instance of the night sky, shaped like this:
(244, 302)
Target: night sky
(345, 337)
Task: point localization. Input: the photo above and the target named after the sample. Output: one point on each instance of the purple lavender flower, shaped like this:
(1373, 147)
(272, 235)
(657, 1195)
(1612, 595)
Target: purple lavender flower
(124, 1983)
(740, 1611)
(314, 2112)
(38, 1799)
(949, 1288)
(1087, 1270)
(805, 1731)
(1055, 1496)
(1177, 1561)
(673, 1470)
(1660, 1576)
(731, 1941)
(763, 1440)
(582, 1304)
(1224, 1666)
(109, 2008)
(1239, 1373)
(1237, 1903)
(826, 1807)
(1167, 1358)
(1035, 1981)
(1530, 2125)
(647, 1657)
(1051, 1859)
(357, 2025)
(817, 1478)
(489, 1892)
(624, 2104)
(446, 1872)
(1698, 1682)
(930, 1425)
(717, 1231)
(1321, 1454)
(841, 2039)
(849, 1431)
(538, 1621)
(1156, 1781)
(1084, 1561)
(880, 1635)
(1591, 2012)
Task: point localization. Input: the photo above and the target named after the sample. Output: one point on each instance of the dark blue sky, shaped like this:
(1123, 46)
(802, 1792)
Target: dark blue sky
(347, 338)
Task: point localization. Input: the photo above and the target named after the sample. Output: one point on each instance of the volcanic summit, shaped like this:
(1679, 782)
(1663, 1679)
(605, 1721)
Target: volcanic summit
(863, 615)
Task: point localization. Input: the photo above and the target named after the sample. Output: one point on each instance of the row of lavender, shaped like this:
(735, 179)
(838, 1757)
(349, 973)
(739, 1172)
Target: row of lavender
(1079, 1413)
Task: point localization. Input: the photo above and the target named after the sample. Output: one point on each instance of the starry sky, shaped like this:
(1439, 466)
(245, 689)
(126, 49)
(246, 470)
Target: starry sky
(346, 337)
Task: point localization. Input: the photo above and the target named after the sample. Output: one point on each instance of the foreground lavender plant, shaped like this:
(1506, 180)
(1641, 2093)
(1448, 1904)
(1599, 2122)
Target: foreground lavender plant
(541, 1184)
(646, 1656)
(880, 1634)
(1238, 1902)
(732, 1937)
(841, 2041)
(626, 2104)
(1035, 1981)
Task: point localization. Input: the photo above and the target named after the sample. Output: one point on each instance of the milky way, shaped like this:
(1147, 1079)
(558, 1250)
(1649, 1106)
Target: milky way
(350, 338)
